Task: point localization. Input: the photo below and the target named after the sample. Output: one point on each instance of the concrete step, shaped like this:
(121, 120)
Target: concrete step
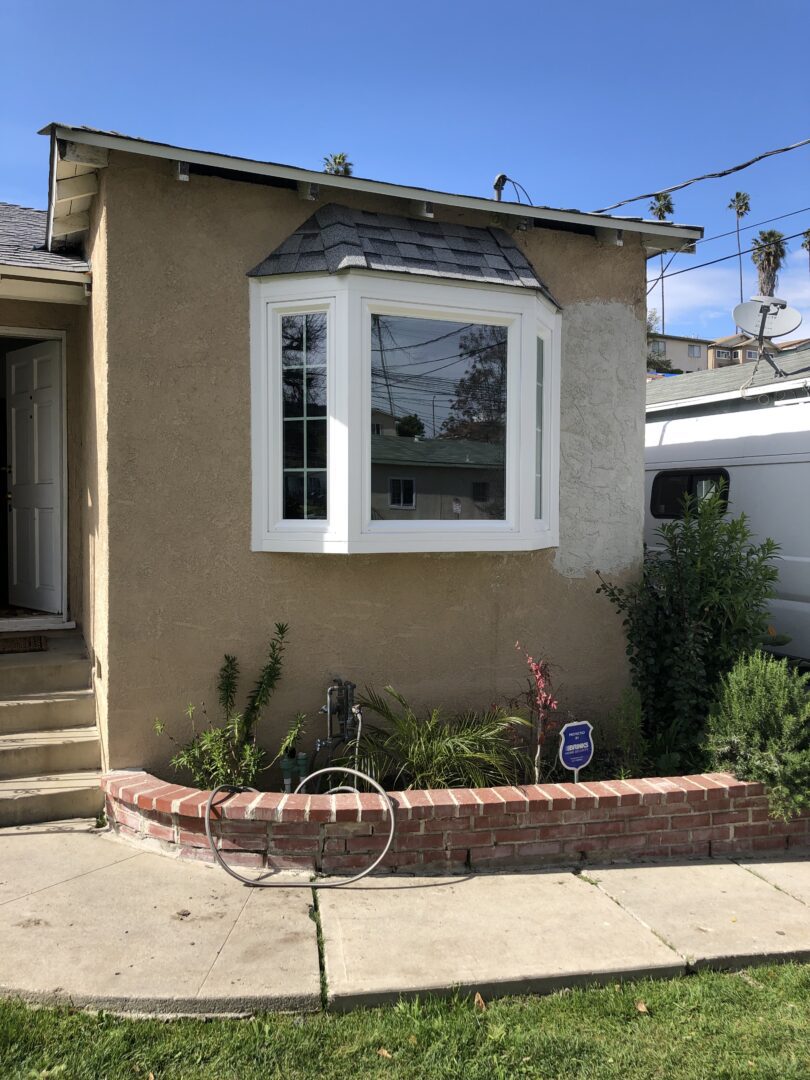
(64, 665)
(38, 753)
(44, 712)
(30, 799)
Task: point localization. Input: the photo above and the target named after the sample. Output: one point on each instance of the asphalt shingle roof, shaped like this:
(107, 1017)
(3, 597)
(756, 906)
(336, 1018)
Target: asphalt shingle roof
(22, 241)
(458, 453)
(726, 380)
(339, 238)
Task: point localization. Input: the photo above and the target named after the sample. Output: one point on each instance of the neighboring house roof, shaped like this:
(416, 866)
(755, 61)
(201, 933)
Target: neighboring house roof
(682, 390)
(654, 334)
(339, 238)
(732, 341)
(454, 453)
(22, 241)
(655, 235)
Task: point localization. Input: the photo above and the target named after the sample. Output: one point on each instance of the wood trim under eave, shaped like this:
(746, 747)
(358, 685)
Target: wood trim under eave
(48, 292)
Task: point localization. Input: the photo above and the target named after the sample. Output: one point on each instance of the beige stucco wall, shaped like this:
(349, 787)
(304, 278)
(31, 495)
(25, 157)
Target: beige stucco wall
(184, 586)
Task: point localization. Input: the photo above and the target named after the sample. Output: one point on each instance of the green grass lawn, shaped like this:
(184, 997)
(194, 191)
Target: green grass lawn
(712, 1026)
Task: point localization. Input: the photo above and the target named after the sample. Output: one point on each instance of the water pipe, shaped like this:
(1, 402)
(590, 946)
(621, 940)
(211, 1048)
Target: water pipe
(344, 771)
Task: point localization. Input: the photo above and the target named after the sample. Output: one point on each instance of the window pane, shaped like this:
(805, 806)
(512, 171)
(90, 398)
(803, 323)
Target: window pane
(438, 396)
(316, 444)
(303, 377)
(538, 436)
(293, 444)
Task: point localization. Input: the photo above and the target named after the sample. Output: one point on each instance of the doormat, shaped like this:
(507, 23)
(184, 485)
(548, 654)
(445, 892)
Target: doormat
(23, 643)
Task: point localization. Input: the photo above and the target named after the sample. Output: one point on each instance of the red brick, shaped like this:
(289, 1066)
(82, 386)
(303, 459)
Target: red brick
(293, 828)
(372, 807)
(514, 836)
(499, 821)
(293, 843)
(243, 842)
(605, 828)
(188, 839)
(423, 842)
(468, 801)
(332, 864)
(539, 847)
(760, 828)
(491, 803)
(729, 817)
(347, 807)
(604, 795)
(473, 838)
(444, 805)
(163, 800)
(648, 824)
(347, 829)
(269, 806)
(582, 798)
(481, 855)
(537, 797)
(417, 802)
(332, 845)
(194, 805)
(320, 808)
(366, 843)
(716, 832)
(287, 862)
(692, 821)
(628, 796)
(558, 832)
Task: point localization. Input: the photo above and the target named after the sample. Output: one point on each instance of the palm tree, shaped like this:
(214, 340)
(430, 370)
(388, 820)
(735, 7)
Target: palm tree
(806, 244)
(741, 205)
(337, 164)
(661, 208)
(768, 253)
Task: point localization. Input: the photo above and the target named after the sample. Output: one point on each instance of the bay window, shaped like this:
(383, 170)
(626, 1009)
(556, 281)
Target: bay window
(390, 414)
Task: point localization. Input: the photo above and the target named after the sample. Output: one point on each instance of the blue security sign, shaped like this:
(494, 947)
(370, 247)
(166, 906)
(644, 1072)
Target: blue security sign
(576, 746)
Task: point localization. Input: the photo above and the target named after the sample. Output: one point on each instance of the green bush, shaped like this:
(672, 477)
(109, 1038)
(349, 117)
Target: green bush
(759, 729)
(228, 753)
(624, 751)
(699, 606)
(434, 751)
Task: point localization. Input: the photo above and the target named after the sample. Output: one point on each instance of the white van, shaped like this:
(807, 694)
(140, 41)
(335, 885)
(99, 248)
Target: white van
(710, 426)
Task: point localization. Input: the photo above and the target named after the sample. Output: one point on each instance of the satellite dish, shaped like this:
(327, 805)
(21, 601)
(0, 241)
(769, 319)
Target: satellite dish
(766, 317)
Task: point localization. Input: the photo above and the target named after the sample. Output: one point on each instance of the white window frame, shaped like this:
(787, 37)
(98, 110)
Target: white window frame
(750, 354)
(693, 352)
(722, 354)
(402, 480)
(349, 299)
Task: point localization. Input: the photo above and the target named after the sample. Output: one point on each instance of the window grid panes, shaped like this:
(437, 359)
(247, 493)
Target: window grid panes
(303, 377)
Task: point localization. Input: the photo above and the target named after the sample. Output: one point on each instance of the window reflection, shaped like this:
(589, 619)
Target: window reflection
(303, 377)
(438, 419)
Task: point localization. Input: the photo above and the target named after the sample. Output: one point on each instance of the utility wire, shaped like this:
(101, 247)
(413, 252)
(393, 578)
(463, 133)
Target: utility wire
(723, 258)
(705, 176)
(720, 236)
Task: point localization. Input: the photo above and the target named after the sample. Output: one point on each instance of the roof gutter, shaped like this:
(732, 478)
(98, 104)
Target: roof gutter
(51, 194)
(675, 235)
(747, 394)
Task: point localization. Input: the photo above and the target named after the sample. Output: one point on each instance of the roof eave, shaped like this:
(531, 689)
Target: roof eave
(655, 236)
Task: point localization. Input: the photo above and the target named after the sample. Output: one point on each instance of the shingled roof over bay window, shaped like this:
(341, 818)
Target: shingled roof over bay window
(338, 238)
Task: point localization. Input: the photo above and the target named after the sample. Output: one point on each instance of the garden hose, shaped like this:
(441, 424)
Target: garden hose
(231, 789)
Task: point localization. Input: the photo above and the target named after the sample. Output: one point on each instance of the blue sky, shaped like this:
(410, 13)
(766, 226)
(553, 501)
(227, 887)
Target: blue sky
(584, 103)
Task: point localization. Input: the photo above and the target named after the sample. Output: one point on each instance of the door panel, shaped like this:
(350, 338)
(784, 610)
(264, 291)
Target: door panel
(34, 403)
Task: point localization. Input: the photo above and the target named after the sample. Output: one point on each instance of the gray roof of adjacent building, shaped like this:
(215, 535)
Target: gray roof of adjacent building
(22, 241)
(338, 238)
(442, 453)
(676, 389)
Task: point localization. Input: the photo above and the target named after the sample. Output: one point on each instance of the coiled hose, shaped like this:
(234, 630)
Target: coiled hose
(308, 884)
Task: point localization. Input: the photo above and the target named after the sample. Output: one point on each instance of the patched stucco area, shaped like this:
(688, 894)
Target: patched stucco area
(601, 439)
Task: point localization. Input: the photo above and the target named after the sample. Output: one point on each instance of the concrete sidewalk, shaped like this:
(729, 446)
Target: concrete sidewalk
(89, 920)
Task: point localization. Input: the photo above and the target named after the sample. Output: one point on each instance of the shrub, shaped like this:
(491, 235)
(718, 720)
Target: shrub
(227, 753)
(699, 606)
(625, 751)
(759, 729)
(541, 703)
(433, 751)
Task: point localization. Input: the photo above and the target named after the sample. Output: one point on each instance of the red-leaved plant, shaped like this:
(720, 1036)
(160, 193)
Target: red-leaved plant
(542, 705)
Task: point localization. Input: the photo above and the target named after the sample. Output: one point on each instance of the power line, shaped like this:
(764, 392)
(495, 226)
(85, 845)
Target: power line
(724, 258)
(720, 236)
(706, 176)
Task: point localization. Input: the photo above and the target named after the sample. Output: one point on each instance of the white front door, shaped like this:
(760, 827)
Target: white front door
(34, 426)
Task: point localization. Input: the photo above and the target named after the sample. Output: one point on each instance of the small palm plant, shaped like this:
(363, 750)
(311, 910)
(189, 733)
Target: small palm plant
(806, 244)
(228, 753)
(431, 750)
(337, 164)
(662, 207)
(768, 255)
(741, 205)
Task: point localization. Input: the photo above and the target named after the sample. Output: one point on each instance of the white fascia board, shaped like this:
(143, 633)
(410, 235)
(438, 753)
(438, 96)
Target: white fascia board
(671, 236)
(730, 395)
(36, 273)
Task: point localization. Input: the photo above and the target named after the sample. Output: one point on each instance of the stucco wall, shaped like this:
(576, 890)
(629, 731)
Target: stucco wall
(184, 586)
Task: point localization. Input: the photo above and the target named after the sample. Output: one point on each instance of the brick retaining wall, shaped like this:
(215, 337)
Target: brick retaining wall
(459, 829)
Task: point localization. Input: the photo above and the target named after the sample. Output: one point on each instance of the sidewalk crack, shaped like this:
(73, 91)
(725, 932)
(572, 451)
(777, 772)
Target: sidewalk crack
(224, 943)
